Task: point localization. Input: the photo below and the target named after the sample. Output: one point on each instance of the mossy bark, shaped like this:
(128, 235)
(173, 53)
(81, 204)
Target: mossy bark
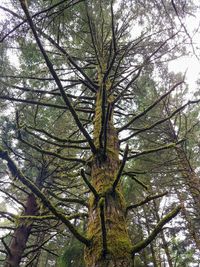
(21, 235)
(103, 174)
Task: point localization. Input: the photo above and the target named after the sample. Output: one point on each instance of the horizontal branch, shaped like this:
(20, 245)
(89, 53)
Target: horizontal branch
(69, 200)
(44, 104)
(41, 92)
(141, 245)
(49, 217)
(153, 150)
(32, 102)
(146, 200)
(47, 152)
(62, 140)
(66, 145)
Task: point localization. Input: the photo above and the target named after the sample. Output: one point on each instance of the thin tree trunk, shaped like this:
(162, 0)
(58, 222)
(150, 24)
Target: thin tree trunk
(192, 181)
(190, 224)
(21, 235)
(162, 235)
(153, 253)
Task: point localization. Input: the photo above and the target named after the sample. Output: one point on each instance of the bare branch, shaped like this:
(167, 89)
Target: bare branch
(57, 80)
(141, 245)
(146, 200)
(150, 107)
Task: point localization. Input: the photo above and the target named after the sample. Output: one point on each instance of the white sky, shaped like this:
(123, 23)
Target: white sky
(190, 63)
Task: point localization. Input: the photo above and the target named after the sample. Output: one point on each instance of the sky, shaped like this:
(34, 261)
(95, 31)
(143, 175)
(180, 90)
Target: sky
(191, 63)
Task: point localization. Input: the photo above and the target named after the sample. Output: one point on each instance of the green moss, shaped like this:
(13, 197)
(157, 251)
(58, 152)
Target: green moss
(118, 242)
(101, 202)
(102, 178)
(119, 246)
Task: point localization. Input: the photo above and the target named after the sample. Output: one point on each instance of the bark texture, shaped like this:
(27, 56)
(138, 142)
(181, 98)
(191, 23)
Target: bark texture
(20, 235)
(111, 245)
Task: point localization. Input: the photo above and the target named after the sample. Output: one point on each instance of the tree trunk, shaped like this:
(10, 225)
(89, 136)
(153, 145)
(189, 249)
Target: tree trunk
(191, 178)
(162, 236)
(107, 227)
(20, 235)
(153, 251)
(193, 231)
(192, 182)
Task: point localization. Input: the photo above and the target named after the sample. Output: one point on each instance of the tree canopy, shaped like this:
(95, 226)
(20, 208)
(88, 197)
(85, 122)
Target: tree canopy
(99, 143)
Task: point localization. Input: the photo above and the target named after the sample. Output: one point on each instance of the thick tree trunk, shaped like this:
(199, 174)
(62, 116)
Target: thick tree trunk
(20, 235)
(107, 227)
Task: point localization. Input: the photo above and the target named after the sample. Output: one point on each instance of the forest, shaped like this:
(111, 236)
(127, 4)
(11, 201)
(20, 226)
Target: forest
(99, 138)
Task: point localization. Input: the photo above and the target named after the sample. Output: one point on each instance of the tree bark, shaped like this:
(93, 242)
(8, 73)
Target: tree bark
(107, 228)
(20, 235)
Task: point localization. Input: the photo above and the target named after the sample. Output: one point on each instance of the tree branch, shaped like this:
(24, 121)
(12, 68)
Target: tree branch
(132, 176)
(42, 151)
(18, 174)
(146, 200)
(120, 169)
(150, 107)
(153, 150)
(57, 80)
(90, 186)
(162, 120)
(141, 245)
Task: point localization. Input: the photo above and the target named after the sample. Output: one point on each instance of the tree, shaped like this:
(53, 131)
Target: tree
(82, 70)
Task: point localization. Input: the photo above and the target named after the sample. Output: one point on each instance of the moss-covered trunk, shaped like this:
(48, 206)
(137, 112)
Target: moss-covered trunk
(107, 224)
(20, 235)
